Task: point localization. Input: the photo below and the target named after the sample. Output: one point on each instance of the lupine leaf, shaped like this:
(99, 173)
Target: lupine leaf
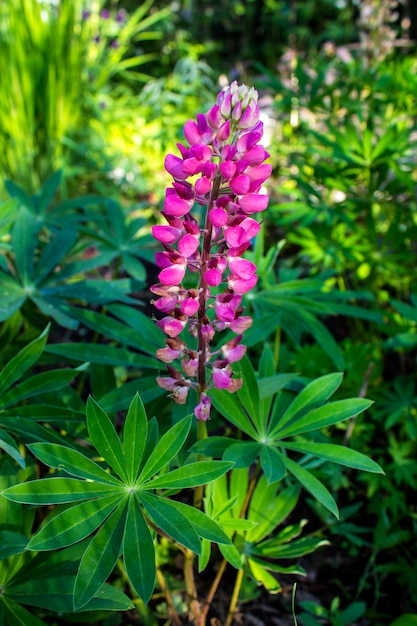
(72, 462)
(17, 615)
(190, 475)
(56, 594)
(268, 509)
(24, 238)
(139, 552)
(336, 454)
(314, 394)
(100, 557)
(313, 485)
(324, 416)
(166, 449)
(262, 576)
(19, 364)
(291, 550)
(204, 525)
(171, 521)
(105, 354)
(232, 555)
(73, 524)
(248, 394)
(41, 383)
(57, 490)
(11, 543)
(9, 445)
(272, 464)
(227, 406)
(104, 438)
(243, 453)
(135, 432)
(53, 253)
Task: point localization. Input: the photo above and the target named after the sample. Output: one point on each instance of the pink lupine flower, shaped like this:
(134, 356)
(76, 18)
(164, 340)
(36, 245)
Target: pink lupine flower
(233, 351)
(171, 326)
(202, 410)
(225, 161)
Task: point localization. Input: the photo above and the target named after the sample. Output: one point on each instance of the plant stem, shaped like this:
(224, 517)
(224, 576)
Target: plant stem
(193, 603)
(173, 615)
(235, 597)
(213, 588)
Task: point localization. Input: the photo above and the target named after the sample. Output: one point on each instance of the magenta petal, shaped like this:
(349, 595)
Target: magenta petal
(242, 268)
(218, 217)
(221, 378)
(189, 306)
(173, 166)
(174, 205)
(172, 275)
(251, 226)
(166, 304)
(170, 326)
(213, 277)
(166, 234)
(191, 133)
(187, 245)
(240, 285)
(234, 354)
(241, 324)
(253, 203)
(202, 410)
(234, 235)
(202, 185)
(240, 184)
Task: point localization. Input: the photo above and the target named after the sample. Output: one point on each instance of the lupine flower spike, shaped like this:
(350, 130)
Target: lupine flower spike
(220, 169)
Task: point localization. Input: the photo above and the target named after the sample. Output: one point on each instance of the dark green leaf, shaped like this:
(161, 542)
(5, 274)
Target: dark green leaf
(191, 475)
(23, 360)
(272, 464)
(139, 553)
(72, 462)
(171, 521)
(166, 449)
(100, 557)
(135, 432)
(104, 438)
(57, 490)
(336, 454)
(74, 524)
(243, 453)
(313, 485)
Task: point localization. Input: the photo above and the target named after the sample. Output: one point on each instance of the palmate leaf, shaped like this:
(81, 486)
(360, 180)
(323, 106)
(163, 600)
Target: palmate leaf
(313, 485)
(104, 438)
(12, 613)
(139, 552)
(336, 454)
(110, 517)
(74, 524)
(19, 364)
(100, 557)
(9, 445)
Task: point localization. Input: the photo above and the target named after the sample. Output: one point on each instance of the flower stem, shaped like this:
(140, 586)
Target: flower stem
(193, 602)
(173, 615)
(235, 597)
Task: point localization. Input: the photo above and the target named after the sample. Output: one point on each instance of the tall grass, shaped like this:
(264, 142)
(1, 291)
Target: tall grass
(55, 59)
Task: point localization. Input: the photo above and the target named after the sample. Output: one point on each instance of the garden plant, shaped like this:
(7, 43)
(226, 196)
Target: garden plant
(207, 354)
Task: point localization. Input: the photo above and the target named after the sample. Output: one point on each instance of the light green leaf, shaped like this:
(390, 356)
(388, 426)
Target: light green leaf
(269, 509)
(336, 454)
(191, 475)
(204, 525)
(73, 524)
(135, 432)
(72, 462)
(139, 553)
(57, 490)
(100, 557)
(314, 394)
(263, 577)
(166, 449)
(313, 485)
(232, 555)
(171, 521)
(324, 416)
(104, 438)
(227, 406)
